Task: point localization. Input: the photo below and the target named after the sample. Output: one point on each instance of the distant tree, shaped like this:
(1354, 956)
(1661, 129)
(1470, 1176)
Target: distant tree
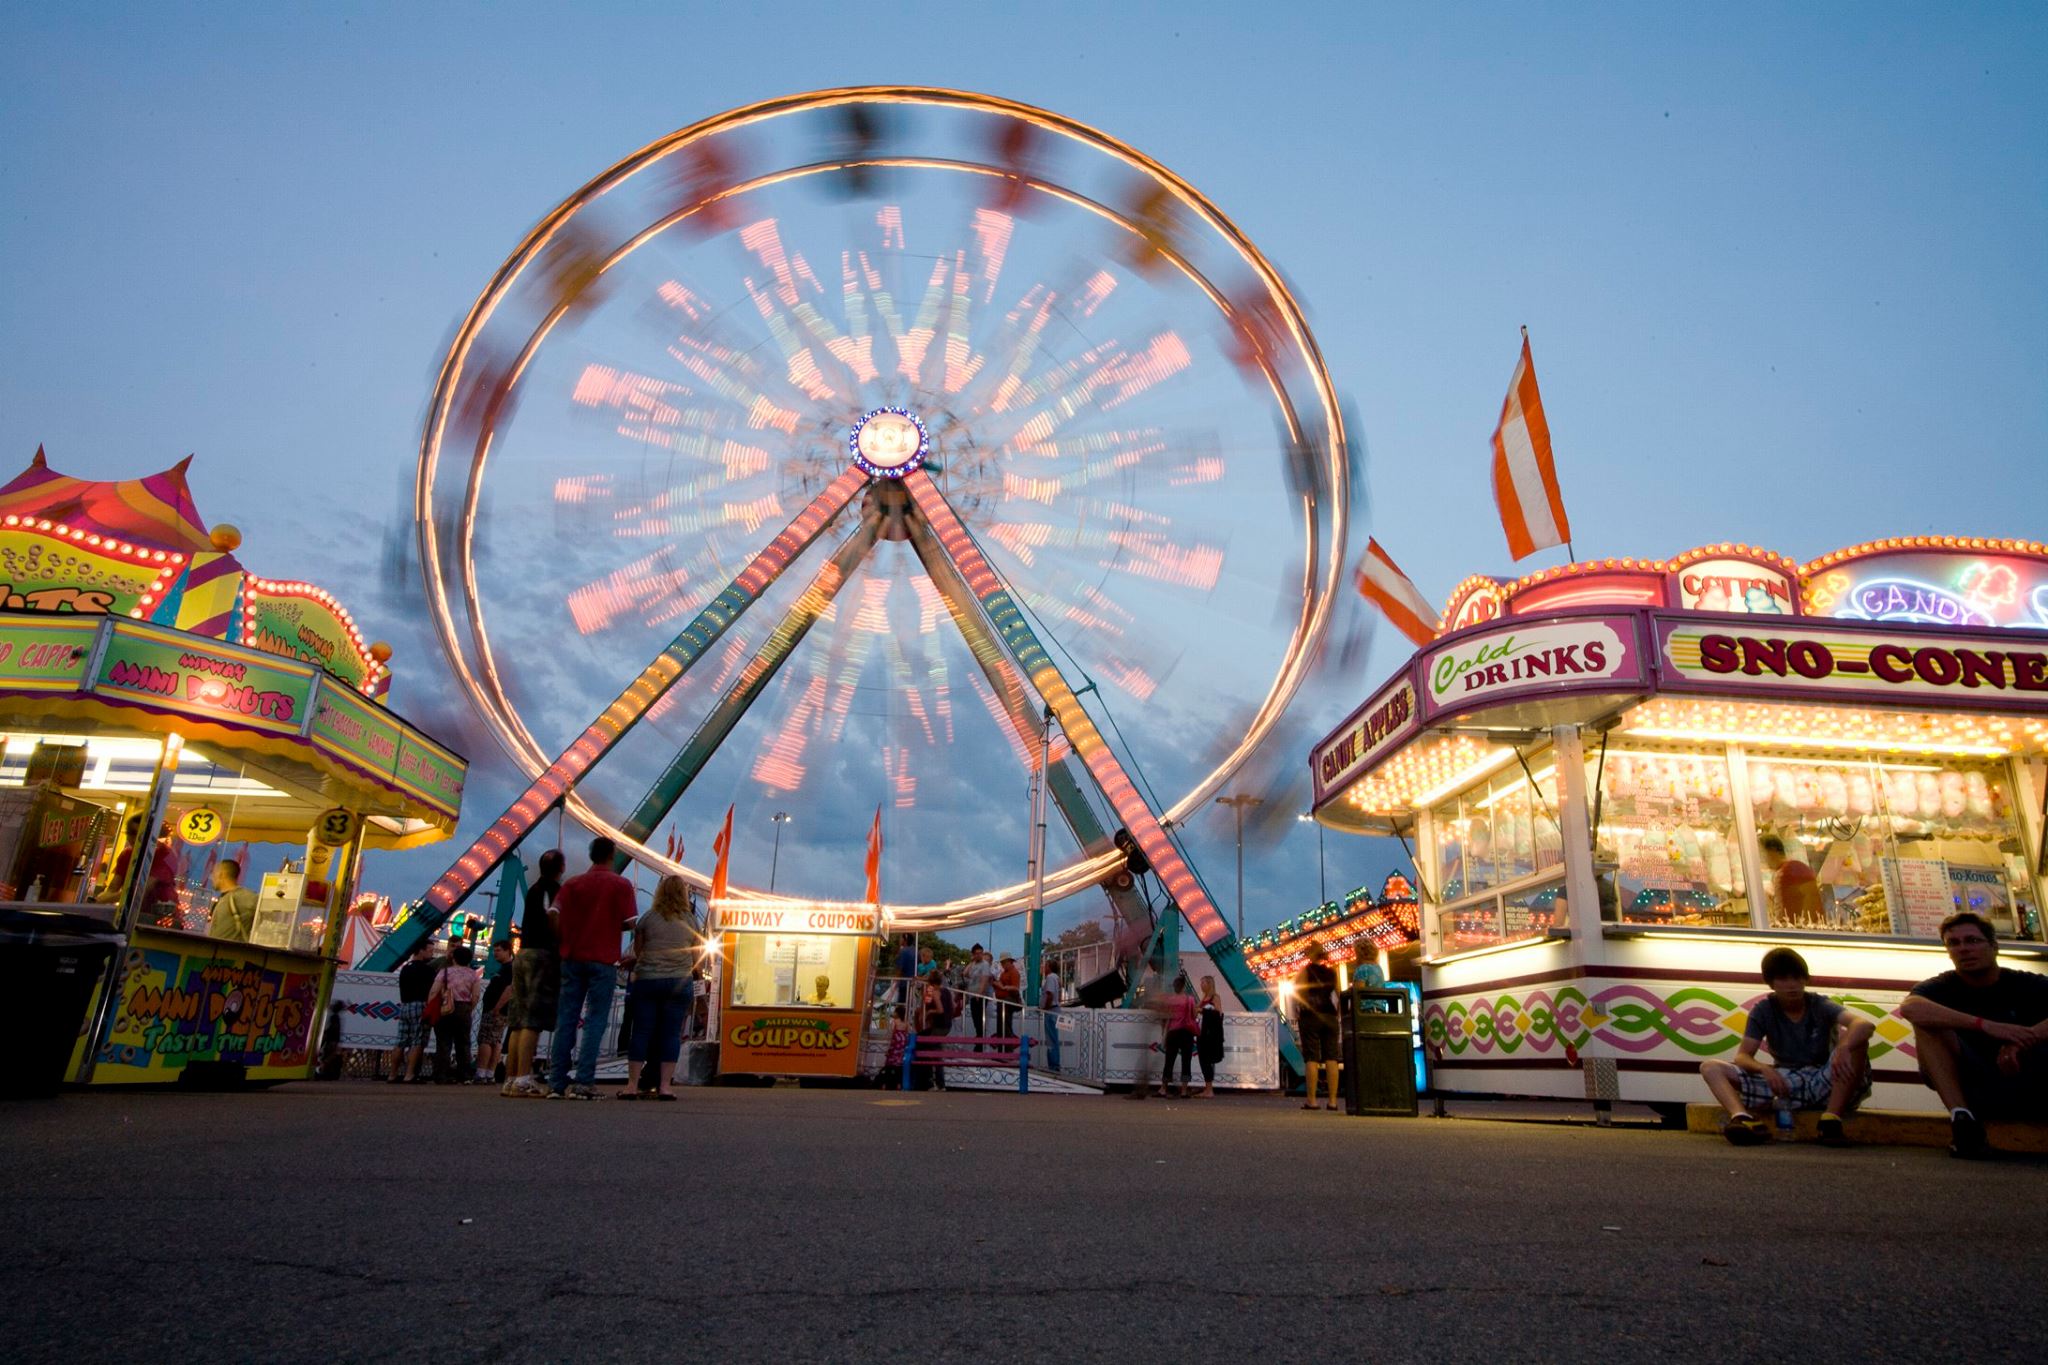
(1075, 936)
(944, 952)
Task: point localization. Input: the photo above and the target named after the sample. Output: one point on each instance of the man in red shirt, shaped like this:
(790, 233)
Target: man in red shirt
(594, 910)
(1798, 890)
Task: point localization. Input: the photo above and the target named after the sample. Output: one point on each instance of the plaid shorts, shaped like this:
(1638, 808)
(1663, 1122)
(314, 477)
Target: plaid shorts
(412, 1025)
(490, 1028)
(1810, 1087)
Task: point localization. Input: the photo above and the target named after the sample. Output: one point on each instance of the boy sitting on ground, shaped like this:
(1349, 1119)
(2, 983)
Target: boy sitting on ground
(1820, 1057)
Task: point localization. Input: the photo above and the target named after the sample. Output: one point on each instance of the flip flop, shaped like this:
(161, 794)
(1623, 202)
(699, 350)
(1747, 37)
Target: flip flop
(627, 1095)
(665, 1099)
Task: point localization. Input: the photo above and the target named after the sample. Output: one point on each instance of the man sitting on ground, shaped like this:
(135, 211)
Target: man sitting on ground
(1820, 1057)
(1978, 1031)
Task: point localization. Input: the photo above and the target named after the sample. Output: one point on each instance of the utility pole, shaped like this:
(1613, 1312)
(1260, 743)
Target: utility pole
(1322, 885)
(780, 818)
(1240, 803)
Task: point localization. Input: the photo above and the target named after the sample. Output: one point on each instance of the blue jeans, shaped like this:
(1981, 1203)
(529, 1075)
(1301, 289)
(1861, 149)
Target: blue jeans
(1052, 1039)
(659, 1005)
(586, 990)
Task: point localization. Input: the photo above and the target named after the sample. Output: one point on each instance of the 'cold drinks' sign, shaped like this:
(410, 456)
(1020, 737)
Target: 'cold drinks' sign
(1563, 654)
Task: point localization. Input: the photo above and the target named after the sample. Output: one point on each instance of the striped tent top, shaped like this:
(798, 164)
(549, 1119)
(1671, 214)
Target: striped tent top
(156, 511)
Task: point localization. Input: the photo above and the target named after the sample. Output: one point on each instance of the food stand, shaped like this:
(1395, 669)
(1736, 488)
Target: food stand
(1598, 763)
(163, 712)
(794, 979)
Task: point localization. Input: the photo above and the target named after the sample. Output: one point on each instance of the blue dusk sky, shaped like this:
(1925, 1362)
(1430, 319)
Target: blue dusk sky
(1782, 267)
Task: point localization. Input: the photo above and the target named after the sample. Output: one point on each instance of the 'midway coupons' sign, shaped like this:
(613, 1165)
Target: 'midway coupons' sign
(789, 1042)
(795, 917)
(1881, 665)
(1561, 654)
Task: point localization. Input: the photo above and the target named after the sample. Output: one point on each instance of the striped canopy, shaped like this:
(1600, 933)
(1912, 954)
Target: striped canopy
(156, 511)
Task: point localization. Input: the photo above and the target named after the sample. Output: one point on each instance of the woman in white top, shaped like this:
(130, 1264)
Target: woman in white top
(664, 950)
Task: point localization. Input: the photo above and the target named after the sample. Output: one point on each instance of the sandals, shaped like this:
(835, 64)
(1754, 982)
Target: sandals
(627, 1095)
(666, 1097)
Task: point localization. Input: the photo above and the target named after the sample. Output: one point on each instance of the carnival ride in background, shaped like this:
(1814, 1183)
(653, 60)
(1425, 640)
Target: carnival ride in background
(1015, 375)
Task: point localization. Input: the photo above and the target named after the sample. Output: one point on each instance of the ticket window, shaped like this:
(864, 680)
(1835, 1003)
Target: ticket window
(820, 971)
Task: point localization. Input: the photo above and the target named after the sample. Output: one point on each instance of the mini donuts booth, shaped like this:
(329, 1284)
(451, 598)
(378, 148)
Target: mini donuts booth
(163, 709)
(1586, 763)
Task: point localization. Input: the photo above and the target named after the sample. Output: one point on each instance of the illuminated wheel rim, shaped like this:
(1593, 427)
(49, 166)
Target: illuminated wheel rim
(507, 329)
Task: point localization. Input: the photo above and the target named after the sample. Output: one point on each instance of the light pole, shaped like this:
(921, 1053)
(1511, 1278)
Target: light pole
(1240, 803)
(1322, 886)
(780, 818)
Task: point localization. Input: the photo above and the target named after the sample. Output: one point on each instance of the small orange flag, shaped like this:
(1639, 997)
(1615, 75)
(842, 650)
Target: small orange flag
(722, 846)
(1386, 587)
(875, 860)
(1524, 474)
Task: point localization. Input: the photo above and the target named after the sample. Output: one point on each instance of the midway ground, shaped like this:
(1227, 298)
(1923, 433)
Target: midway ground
(362, 1221)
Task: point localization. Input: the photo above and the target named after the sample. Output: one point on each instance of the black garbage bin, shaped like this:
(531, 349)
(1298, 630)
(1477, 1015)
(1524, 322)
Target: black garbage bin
(50, 963)
(1379, 1061)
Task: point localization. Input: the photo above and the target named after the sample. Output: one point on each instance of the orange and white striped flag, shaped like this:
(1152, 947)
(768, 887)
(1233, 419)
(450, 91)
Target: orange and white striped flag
(1386, 587)
(1524, 475)
(875, 859)
(722, 846)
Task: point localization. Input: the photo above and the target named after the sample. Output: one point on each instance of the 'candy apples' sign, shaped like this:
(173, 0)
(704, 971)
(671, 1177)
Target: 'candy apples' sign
(1374, 729)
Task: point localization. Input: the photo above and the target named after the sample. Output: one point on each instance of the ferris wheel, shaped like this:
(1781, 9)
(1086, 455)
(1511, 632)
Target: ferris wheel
(990, 414)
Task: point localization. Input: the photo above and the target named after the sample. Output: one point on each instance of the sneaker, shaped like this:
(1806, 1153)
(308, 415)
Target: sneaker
(1966, 1136)
(582, 1092)
(1745, 1130)
(556, 1095)
(1832, 1133)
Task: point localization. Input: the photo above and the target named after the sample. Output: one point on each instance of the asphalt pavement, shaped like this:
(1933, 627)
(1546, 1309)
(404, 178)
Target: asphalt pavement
(359, 1221)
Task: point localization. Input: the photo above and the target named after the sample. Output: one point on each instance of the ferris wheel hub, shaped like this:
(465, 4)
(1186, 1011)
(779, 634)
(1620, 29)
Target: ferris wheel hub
(888, 443)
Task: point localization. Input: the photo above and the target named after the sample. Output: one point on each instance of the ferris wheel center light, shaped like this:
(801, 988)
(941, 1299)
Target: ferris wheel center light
(888, 443)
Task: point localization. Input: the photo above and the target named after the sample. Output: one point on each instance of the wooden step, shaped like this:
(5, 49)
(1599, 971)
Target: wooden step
(1886, 1128)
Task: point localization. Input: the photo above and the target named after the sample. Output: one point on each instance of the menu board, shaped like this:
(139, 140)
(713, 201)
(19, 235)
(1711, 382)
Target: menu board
(1919, 895)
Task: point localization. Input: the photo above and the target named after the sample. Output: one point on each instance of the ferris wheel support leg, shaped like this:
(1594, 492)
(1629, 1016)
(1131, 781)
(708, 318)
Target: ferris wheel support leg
(753, 680)
(668, 668)
(1022, 644)
(1016, 698)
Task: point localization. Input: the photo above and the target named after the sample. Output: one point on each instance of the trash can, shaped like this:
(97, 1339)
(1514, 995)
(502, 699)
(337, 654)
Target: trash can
(1379, 1063)
(51, 961)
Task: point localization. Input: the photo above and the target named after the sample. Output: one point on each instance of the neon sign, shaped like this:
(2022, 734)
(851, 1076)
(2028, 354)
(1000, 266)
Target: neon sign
(1905, 599)
(1933, 587)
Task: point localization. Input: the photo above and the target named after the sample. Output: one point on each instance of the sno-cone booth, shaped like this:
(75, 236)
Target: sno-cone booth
(794, 979)
(1596, 766)
(165, 710)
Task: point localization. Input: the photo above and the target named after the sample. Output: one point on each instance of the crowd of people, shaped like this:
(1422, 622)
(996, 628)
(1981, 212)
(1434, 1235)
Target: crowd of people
(570, 960)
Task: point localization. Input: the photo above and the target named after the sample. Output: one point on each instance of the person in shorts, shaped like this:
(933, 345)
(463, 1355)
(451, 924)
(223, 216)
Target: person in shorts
(1978, 1032)
(415, 984)
(490, 1028)
(536, 979)
(1820, 1057)
(1315, 1020)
